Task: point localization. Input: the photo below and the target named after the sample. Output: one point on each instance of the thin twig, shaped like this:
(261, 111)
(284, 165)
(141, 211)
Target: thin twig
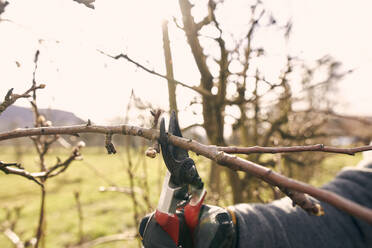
(199, 90)
(132, 194)
(124, 190)
(11, 164)
(145, 183)
(156, 114)
(36, 59)
(14, 238)
(185, 129)
(81, 217)
(212, 153)
(363, 120)
(11, 98)
(41, 224)
(20, 172)
(9, 224)
(309, 148)
(52, 172)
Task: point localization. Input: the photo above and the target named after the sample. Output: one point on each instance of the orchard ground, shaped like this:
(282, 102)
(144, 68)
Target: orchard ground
(104, 213)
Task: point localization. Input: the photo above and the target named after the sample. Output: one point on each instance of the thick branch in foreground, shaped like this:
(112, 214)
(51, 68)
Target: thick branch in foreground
(211, 152)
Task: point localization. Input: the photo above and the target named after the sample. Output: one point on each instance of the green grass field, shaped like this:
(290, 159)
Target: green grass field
(104, 213)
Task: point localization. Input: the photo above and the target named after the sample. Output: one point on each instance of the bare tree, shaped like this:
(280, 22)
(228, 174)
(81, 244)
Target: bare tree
(266, 112)
(42, 146)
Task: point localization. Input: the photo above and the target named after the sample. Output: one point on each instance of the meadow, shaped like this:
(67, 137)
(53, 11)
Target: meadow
(103, 213)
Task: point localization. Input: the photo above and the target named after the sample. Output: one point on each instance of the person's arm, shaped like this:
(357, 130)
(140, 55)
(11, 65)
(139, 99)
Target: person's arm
(278, 224)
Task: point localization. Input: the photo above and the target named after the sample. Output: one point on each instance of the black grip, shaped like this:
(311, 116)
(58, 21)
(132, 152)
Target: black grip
(153, 235)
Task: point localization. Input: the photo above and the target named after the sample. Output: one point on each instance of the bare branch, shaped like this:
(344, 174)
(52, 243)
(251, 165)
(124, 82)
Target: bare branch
(360, 119)
(75, 155)
(17, 171)
(11, 98)
(71, 130)
(81, 217)
(211, 152)
(156, 114)
(87, 3)
(309, 148)
(124, 190)
(10, 164)
(191, 126)
(14, 238)
(175, 21)
(3, 4)
(199, 90)
(304, 202)
(41, 224)
(8, 226)
(191, 31)
(203, 23)
(36, 59)
(43, 175)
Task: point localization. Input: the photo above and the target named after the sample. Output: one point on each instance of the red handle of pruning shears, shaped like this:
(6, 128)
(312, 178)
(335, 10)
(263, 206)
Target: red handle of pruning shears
(192, 211)
(171, 224)
(165, 214)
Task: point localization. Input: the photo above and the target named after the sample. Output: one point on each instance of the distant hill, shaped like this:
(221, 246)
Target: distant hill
(18, 117)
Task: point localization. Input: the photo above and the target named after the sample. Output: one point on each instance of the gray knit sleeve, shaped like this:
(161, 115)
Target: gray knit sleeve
(278, 224)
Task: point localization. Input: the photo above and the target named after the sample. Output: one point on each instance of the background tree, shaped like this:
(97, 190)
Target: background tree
(234, 79)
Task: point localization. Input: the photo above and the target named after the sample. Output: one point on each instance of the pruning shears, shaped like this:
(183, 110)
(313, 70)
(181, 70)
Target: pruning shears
(182, 189)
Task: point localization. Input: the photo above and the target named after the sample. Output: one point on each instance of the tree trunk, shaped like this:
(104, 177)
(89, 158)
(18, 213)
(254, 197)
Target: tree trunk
(213, 106)
(214, 125)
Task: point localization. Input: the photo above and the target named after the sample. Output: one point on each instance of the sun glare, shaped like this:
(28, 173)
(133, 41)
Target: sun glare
(69, 57)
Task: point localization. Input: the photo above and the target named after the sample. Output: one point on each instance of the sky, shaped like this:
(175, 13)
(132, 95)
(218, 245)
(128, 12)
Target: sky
(82, 80)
